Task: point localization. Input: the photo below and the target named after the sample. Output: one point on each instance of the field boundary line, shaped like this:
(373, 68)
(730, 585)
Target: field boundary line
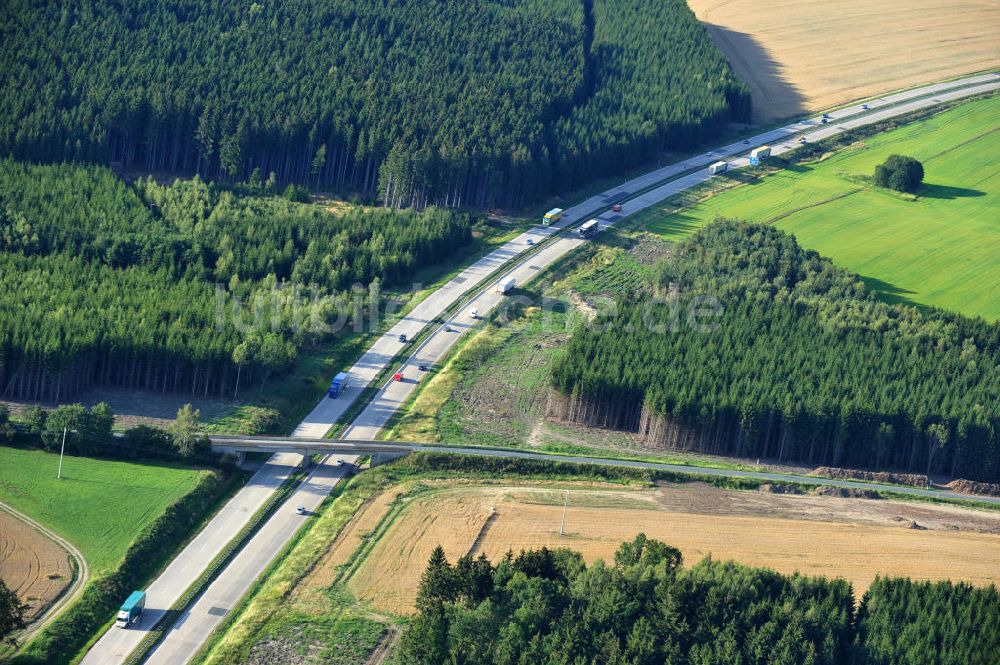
(817, 204)
(962, 144)
(81, 575)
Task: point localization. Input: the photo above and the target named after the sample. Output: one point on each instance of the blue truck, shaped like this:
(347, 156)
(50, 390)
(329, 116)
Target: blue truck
(338, 385)
(131, 610)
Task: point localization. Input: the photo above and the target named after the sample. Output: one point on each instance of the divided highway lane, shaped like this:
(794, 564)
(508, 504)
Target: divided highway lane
(393, 394)
(194, 626)
(634, 195)
(117, 643)
(644, 191)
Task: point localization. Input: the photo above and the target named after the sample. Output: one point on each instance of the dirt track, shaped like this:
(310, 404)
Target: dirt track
(799, 55)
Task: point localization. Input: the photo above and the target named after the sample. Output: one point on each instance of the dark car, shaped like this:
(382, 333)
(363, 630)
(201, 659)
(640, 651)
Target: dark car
(616, 207)
(422, 368)
(402, 338)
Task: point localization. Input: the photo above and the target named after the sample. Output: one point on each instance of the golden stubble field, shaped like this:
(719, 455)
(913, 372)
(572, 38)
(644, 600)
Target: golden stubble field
(37, 569)
(814, 54)
(851, 538)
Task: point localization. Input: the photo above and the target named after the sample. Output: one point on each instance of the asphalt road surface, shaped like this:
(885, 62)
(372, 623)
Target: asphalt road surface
(194, 626)
(116, 644)
(691, 172)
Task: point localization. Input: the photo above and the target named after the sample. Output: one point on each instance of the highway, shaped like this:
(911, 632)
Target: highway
(117, 643)
(686, 174)
(637, 194)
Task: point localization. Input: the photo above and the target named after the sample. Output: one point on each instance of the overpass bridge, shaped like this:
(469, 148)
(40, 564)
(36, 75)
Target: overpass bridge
(380, 451)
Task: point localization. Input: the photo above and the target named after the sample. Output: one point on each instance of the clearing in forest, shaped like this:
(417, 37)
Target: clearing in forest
(799, 55)
(35, 567)
(851, 538)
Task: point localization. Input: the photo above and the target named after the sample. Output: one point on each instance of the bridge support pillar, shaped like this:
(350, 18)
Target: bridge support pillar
(306, 459)
(241, 458)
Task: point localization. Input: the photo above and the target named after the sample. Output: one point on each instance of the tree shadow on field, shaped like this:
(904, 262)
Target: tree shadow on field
(947, 192)
(773, 96)
(892, 293)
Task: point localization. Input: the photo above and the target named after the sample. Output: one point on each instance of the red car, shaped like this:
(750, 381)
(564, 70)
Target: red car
(398, 376)
(616, 207)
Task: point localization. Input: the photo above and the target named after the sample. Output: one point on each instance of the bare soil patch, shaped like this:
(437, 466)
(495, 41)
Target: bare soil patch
(36, 568)
(837, 537)
(799, 55)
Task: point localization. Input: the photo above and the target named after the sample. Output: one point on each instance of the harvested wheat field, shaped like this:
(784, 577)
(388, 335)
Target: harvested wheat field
(813, 54)
(37, 569)
(851, 538)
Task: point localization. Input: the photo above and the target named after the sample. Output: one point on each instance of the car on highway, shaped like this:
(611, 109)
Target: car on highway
(447, 327)
(864, 107)
(398, 376)
(300, 509)
(339, 462)
(616, 207)
(746, 141)
(530, 242)
(473, 313)
(802, 139)
(422, 368)
(402, 338)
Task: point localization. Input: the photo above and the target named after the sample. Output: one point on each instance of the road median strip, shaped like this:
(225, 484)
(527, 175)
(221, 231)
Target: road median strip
(221, 560)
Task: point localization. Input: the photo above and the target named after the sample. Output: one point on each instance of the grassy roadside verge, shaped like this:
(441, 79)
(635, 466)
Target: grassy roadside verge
(266, 601)
(282, 403)
(67, 638)
(601, 267)
(216, 566)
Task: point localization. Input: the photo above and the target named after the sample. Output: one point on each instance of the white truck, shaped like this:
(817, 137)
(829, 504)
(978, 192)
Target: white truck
(506, 285)
(763, 152)
(718, 167)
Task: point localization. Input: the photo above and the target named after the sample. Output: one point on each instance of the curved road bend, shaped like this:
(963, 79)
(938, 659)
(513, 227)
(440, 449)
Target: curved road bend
(180, 642)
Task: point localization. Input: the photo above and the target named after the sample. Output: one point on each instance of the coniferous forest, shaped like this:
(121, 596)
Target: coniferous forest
(646, 608)
(183, 287)
(802, 364)
(484, 102)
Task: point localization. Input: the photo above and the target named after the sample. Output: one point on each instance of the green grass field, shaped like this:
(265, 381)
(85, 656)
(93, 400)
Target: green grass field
(100, 505)
(940, 248)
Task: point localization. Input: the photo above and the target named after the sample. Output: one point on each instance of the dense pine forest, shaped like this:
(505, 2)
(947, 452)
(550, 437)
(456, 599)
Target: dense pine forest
(183, 287)
(804, 364)
(646, 608)
(484, 102)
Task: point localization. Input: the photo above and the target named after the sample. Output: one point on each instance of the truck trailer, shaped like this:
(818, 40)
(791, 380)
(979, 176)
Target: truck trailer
(589, 228)
(506, 286)
(763, 152)
(552, 216)
(338, 385)
(718, 167)
(131, 610)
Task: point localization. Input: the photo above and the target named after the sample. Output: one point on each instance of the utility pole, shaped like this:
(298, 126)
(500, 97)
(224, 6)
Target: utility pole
(62, 451)
(562, 527)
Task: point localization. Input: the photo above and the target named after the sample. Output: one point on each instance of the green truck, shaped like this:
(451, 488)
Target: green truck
(131, 610)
